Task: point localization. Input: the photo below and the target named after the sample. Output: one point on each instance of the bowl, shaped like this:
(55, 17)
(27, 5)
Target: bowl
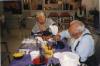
(18, 55)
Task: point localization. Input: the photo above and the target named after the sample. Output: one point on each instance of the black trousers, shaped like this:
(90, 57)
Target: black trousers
(91, 61)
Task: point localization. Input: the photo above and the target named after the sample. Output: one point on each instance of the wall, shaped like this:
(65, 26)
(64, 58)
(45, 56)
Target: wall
(1, 7)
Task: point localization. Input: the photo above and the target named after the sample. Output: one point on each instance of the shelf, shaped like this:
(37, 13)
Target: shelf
(46, 5)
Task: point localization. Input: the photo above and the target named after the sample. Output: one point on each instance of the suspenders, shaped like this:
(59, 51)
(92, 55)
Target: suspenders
(76, 45)
(79, 41)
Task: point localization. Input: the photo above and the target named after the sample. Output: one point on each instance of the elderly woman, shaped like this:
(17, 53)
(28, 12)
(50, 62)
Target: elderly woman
(80, 40)
(42, 23)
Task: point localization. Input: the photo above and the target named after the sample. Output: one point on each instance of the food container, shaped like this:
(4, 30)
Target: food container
(18, 55)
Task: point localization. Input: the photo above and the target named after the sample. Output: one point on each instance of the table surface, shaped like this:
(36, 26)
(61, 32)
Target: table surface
(26, 60)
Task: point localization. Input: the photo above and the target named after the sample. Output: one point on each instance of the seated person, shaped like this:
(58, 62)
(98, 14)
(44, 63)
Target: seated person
(42, 23)
(79, 39)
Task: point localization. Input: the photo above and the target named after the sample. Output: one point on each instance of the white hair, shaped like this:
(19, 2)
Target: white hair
(81, 28)
(40, 14)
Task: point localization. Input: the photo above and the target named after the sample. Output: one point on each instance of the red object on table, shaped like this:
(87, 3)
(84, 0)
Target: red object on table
(38, 60)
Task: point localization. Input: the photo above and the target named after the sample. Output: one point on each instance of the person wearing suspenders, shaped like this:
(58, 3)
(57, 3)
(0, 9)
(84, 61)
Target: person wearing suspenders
(80, 40)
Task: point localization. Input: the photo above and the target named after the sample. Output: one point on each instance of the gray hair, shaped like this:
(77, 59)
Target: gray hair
(81, 28)
(40, 14)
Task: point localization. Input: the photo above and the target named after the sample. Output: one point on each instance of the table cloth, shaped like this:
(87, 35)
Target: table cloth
(26, 60)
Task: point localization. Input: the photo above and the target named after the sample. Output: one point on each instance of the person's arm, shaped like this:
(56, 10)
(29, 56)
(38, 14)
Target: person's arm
(61, 35)
(57, 37)
(85, 48)
(64, 34)
(35, 28)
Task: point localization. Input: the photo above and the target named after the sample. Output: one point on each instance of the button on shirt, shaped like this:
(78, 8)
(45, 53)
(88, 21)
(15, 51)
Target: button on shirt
(85, 48)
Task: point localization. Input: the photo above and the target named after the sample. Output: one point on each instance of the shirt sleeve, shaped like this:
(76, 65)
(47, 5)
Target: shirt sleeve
(35, 28)
(85, 48)
(64, 34)
(49, 21)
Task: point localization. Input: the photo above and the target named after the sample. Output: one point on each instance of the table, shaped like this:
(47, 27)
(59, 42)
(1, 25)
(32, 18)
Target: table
(27, 58)
(22, 62)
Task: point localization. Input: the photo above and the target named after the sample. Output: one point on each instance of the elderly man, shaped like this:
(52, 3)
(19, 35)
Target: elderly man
(42, 23)
(79, 39)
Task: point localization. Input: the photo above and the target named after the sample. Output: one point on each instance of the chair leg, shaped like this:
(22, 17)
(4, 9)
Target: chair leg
(9, 60)
(7, 50)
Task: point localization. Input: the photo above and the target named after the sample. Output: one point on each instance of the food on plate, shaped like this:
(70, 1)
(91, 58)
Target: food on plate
(18, 55)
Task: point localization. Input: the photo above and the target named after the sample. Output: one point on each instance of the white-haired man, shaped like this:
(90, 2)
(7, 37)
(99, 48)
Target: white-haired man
(80, 40)
(42, 23)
